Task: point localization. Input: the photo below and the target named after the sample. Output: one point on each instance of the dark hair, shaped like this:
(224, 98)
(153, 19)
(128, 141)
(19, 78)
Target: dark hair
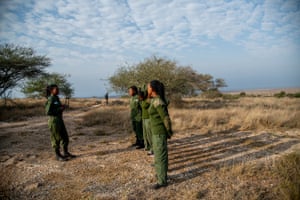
(134, 88)
(49, 89)
(142, 94)
(159, 88)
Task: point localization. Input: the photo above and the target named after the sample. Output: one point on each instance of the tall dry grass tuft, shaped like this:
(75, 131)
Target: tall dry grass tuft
(271, 178)
(115, 117)
(287, 168)
(244, 181)
(21, 109)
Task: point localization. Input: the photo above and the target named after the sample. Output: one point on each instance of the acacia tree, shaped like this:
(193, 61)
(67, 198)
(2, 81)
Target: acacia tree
(17, 64)
(36, 87)
(219, 83)
(178, 80)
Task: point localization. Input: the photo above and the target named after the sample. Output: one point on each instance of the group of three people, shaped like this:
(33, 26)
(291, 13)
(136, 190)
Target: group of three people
(152, 125)
(157, 125)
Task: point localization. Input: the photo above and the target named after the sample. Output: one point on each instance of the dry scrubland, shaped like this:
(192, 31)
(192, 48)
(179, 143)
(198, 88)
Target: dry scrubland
(246, 148)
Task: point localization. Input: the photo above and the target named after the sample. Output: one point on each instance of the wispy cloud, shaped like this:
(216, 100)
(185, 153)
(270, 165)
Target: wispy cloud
(122, 25)
(113, 31)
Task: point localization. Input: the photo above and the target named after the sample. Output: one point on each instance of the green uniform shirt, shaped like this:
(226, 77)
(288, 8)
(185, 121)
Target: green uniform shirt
(136, 113)
(159, 117)
(145, 105)
(54, 106)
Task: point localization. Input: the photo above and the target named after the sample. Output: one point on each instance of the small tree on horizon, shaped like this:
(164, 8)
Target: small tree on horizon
(18, 64)
(36, 88)
(219, 83)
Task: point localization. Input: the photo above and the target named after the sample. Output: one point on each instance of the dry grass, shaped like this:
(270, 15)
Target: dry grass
(287, 169)
(78, 103)
(284, 170)
(272, 179)
(21, 109)
(115, 117)
(196, 114)
(222, 149)
(249, 181)
(208, 115)
(242, 114)
(241, 179)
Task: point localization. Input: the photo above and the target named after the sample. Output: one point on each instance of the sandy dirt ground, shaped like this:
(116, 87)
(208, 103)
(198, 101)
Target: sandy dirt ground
(107, 167)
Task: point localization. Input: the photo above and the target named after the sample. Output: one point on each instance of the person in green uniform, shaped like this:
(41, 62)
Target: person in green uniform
(59, 135)
(161, 130)
(145, 104)
(136, 117)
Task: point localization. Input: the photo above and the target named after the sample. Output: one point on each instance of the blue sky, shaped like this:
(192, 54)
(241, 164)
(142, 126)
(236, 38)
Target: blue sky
(251, 44)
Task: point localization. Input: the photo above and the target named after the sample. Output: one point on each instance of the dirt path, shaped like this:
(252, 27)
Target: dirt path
(107, 168)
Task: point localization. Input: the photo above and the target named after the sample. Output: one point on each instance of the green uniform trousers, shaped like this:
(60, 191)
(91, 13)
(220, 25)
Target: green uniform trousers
(59, 134)
(147, 135)
(138, 129)
(160, 149)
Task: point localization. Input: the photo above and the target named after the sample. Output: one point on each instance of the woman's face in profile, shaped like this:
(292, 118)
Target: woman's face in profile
(55, 91)
(131, 92)
(149, 90)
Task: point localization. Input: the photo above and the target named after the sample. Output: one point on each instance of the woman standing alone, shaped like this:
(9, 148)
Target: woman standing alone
(59, 135)
(161, 130)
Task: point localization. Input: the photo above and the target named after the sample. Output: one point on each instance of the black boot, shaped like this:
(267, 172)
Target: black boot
(67, 153)
(59, 157)
(136, 143)
(141, 144)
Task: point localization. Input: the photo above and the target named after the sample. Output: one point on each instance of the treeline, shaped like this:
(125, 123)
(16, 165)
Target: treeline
(284, 94)
(22, 67)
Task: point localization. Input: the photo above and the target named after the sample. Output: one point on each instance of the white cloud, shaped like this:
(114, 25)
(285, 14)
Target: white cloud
(110, 31)
(116, 26)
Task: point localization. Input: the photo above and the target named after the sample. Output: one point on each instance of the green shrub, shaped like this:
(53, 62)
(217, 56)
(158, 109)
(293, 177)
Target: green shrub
(242, 94)
(280, 94)
(212, 94)
(293, 95)
(297, 95)
(230, 96)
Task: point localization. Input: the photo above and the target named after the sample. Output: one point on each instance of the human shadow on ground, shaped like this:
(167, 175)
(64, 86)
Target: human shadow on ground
(192, 156)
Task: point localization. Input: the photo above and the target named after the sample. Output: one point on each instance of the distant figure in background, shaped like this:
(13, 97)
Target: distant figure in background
(161, 130)
(106, 98)
(136, 117)
(67, 102)
(145, 104)
(59, 135)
